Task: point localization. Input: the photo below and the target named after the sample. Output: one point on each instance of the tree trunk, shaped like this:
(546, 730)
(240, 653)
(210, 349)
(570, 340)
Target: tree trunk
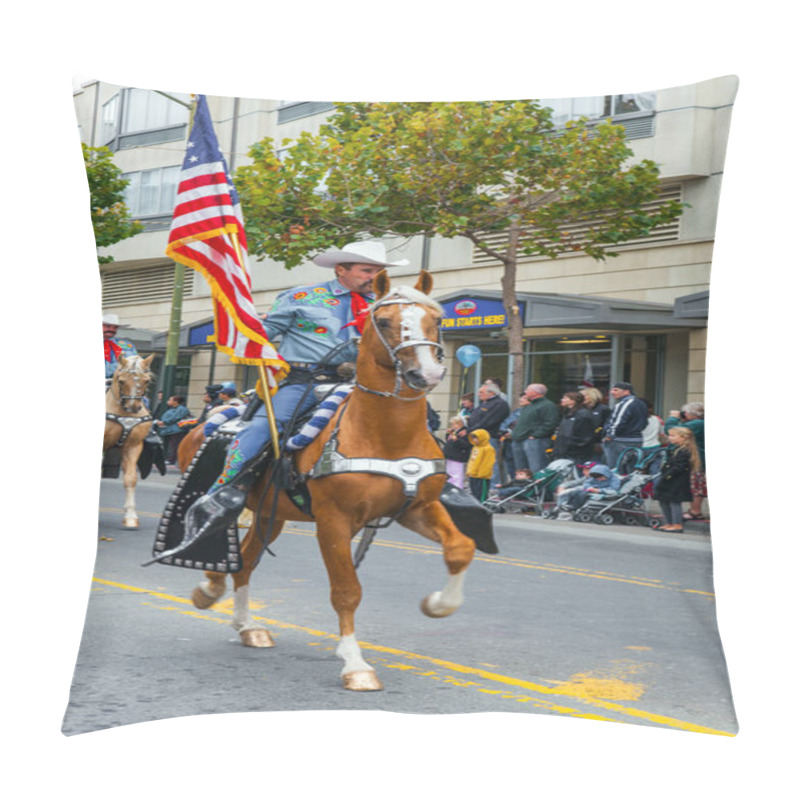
(509, 283)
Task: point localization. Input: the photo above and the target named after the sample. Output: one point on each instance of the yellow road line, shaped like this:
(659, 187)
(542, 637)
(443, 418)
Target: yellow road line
(461, 669)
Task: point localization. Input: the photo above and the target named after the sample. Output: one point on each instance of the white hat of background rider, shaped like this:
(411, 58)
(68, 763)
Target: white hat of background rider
(358, 253)
(113, 319)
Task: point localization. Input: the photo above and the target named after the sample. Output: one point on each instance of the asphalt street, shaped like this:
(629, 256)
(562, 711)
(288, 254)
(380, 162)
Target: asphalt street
(603, 622)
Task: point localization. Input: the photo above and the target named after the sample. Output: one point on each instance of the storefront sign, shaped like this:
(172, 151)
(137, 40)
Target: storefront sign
(468, 313)
(202, 334)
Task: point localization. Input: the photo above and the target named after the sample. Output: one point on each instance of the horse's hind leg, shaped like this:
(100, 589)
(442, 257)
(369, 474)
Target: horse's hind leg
(432, 521)
(250, 632)
(334, 543)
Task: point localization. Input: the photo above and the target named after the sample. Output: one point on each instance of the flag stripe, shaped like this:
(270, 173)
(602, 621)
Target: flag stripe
(206, 227)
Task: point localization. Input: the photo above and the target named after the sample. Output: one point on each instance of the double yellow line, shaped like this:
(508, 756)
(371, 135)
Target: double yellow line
(565, 698)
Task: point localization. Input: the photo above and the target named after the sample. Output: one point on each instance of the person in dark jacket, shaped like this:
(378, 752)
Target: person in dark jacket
(624, 427)
(457, 449)
(489, 414)
(692, 416)
(535, 427)
(593, 402)
(575, 433)
(674, 485)
(168, 427)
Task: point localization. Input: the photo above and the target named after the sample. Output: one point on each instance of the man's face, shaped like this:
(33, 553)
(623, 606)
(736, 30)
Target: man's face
(617, 393)
(109, 331)
(358, 278)
(483, 394)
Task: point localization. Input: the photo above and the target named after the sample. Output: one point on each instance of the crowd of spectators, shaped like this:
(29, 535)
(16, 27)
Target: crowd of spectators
(583, 429)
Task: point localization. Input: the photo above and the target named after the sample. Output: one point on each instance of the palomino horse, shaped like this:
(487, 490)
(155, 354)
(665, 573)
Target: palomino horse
(128, 422)
(376, 459)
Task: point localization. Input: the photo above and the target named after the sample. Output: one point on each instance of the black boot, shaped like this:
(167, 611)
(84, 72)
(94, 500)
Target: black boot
(214, 513)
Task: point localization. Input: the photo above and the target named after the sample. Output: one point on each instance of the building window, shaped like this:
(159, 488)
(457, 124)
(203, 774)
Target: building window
(635, 112)
(137, 117)
(146, 111)
(566, 363)
(108, 120)
(152, 192)
(289, 110)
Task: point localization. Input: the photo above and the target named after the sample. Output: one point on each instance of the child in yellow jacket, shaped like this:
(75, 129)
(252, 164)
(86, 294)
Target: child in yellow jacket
(480, 464)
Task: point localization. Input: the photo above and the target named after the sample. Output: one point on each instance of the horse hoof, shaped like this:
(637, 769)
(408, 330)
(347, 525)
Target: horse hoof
(256, 637)
(130, 523)
(364, 680)
(202, 600)
(431, 606)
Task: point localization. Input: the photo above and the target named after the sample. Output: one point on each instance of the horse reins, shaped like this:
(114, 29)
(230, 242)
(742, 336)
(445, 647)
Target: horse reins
(405, 343)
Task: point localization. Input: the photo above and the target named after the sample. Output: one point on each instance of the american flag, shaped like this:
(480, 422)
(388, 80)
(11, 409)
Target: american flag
(207, 234)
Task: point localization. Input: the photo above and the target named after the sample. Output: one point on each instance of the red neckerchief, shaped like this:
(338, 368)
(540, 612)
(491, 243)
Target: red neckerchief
(110, 347)
(359, 306)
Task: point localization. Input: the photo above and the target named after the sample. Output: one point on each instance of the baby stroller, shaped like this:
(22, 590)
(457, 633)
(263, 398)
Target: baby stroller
(626, 506)
(531, 496)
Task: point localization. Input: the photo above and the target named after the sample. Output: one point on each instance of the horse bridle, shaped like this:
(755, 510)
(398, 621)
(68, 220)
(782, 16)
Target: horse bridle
(123, 397)
(405, 343)
(126, 421)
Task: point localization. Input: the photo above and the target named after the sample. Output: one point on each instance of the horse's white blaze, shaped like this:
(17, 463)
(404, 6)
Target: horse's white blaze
(411, 330)
(349, 650)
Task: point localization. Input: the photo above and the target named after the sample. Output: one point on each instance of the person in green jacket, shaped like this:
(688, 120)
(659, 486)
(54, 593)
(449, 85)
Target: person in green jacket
(535, 428)
(692, 416)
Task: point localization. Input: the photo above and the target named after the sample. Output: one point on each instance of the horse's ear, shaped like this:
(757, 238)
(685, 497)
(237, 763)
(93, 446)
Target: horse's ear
(424, 282)
(382, 284)
(123, 362)
(147, 361)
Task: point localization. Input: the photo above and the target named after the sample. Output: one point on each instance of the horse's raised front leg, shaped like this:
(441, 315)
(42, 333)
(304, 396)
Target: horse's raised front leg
(334, 542)
(130, 458)
(432, 521)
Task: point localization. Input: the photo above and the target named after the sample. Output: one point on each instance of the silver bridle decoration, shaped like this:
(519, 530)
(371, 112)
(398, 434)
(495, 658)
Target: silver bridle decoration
(405, 343)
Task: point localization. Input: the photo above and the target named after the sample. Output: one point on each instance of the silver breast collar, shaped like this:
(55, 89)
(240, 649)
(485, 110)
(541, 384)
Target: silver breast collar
(409, 471)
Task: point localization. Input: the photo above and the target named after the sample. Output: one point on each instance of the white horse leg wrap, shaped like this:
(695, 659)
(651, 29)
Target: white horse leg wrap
(241, 610)
(452, 596)
(349, 650)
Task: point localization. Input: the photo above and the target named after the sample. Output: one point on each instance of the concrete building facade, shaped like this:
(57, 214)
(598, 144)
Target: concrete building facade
(641, 316)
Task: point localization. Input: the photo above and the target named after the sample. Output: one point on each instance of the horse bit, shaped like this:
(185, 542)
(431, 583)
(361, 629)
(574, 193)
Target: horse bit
(405, 343)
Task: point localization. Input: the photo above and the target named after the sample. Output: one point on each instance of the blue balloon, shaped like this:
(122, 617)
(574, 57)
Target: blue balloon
(469, 354)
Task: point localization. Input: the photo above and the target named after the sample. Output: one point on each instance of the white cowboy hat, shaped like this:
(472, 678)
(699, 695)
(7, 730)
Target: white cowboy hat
(358, 253)
(113, 319)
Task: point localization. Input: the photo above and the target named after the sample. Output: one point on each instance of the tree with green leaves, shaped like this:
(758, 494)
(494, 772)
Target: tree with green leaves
(470, 169)
(110, 216)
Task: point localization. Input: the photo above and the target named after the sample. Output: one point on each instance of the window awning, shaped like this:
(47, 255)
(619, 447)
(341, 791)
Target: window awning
(552, 310)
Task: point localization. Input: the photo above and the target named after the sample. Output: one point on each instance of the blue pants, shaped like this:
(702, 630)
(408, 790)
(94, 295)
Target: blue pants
(536, 453)
(256, 435)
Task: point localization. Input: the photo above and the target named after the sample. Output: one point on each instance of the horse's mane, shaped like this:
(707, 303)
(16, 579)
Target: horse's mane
(409, 293)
